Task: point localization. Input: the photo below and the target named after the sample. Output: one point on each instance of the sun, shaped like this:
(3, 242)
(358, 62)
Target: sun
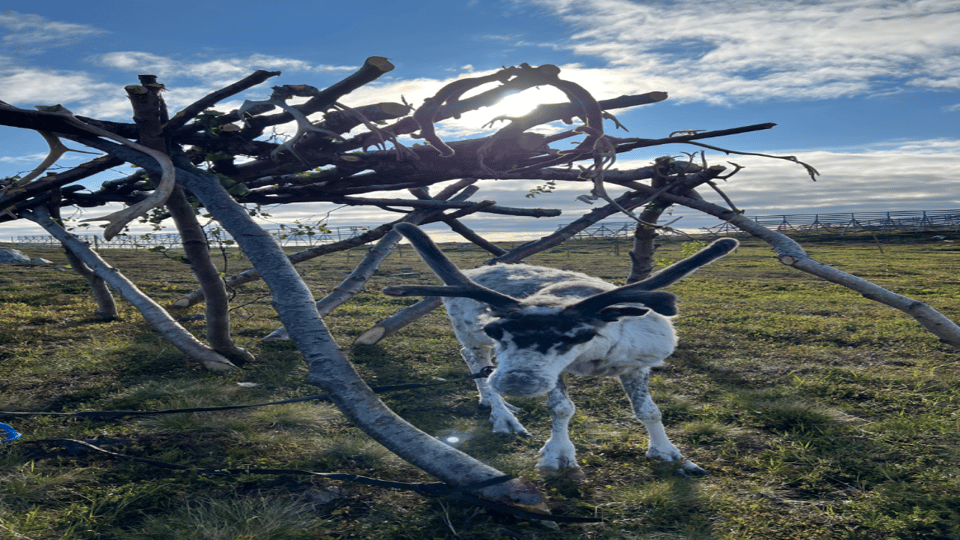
(521, 103)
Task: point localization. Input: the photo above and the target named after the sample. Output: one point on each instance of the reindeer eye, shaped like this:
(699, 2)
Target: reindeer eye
(494, 331)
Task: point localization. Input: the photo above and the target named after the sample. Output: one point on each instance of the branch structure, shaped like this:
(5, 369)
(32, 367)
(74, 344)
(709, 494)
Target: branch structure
(791, 254)
(149, 115)
(208, 161)
(152, 312)
(329, 368)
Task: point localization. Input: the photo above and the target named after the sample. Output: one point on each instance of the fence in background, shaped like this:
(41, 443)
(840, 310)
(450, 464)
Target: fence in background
(172, 240)
(878, 222)
(906, 221)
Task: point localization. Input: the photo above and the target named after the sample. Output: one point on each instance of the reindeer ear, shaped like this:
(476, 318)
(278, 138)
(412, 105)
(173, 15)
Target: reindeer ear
(613, 313)
(662, 302)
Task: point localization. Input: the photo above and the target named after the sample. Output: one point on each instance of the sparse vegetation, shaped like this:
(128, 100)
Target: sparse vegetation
(819, 414)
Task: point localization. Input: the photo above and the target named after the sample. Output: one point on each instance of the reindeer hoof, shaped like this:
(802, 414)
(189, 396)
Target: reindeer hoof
(574, 475)
(690, 469)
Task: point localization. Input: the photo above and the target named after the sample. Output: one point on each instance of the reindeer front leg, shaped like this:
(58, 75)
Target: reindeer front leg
(559, 453)
(635, 385)
(501, 412)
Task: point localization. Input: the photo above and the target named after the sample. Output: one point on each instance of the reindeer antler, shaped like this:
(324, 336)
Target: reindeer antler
(639, 291)
(459, 285)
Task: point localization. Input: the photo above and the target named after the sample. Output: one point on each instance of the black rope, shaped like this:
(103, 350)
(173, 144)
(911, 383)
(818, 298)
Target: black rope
(113, 415)
(434, 489)
(437, 489)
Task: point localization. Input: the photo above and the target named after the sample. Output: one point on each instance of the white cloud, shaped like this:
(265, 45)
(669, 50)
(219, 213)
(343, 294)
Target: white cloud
(215, 71)
(26, 87)
(136, 61)
(27, 33)
(717, 52)
(32, 158)
(88, 94)
(905, 175)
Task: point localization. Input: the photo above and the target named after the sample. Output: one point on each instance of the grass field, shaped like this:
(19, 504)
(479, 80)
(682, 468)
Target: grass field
(818, 413)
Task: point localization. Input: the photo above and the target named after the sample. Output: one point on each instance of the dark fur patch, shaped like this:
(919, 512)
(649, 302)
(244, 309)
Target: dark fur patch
(542, 332)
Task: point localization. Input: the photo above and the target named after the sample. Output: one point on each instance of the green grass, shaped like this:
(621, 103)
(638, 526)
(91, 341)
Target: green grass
(819, 414)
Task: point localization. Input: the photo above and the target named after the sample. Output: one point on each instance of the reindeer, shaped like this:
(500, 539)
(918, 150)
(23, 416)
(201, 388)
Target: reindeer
(542, 322)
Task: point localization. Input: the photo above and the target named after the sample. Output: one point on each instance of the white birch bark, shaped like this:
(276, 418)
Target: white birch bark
(152, 312)
(329, 368)
(350, 286)
(106, 305)
(791, 254)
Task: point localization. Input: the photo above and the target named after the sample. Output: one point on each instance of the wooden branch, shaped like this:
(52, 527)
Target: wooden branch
(391, 325)
(373, 68)
(541, 115)
(329, 369)
(642, 255)
(552, 112)
(370, 235)
(54, 181)
(472, 209)
(644, 143)
(492, 209)
(428, 170)
(152, 312)
(149, 111)
(375, 256)
(532, 165)
(810, 169)
(791, 254)
(342, 121)
(64, 122)
(427, 115)
(464, 231)
(253, 274)
(191, 111)
(106, 304)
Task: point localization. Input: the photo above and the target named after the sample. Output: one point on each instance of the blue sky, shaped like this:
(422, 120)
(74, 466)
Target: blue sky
(867, 91)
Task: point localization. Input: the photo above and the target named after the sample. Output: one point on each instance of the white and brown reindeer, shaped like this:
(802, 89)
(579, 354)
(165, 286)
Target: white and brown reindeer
(542, 322)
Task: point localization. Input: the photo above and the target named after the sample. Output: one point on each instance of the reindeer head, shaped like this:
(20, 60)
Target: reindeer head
(539, 336)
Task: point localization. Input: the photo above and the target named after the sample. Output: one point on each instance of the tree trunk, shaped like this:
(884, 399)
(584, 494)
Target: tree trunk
(197, 251)
(642, 259)
(329, 368)
(150, 116)
(106, 305)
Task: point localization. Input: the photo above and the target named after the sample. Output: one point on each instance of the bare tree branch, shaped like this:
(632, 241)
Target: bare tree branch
(350, 286)
(149, 115)
(152, 312)
(191, 111)
(330, 370)
(791, 254)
